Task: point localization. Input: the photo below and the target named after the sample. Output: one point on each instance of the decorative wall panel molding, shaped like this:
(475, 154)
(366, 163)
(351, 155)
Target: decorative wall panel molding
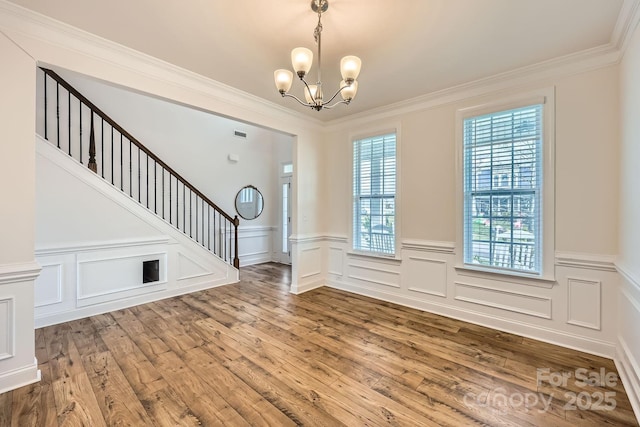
(109, 278)
(310, 262)
(511, 279)
(374, 274)
(7, 328)
(426, 275)
(629, 371)
(48, 286)
(584, 303)
(255, 244)
(530, 305)
(336, 261)
(189, 268)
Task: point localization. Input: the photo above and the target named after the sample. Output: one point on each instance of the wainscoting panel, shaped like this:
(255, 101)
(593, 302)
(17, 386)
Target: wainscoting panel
(97, 277)
(188, 268)
(426, 275)
(48, 286)
(336, 261)
(310, 262)
(506, 300)
(372, 273)
(628, 340)
(107, 279)
(583, 304)
(18, 366)
(255, 244)
(7, 328)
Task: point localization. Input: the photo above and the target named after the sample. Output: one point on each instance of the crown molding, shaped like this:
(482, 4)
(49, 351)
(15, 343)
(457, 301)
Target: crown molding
(584, 61)
(575, 63)
(16, 21)
(627, 22)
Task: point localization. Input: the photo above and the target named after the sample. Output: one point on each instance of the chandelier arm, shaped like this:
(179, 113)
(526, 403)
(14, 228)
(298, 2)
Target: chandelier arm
(328, 107)
(310, 94)
(306, 104)
(335, 94)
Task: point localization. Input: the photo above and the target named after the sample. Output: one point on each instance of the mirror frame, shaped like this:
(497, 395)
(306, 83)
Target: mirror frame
(259, 194)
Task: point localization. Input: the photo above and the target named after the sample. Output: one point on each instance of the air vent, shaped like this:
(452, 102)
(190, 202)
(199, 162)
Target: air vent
(240, 134)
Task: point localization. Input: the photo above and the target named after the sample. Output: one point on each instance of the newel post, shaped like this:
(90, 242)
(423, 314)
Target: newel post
(92, 148)
(236, 260)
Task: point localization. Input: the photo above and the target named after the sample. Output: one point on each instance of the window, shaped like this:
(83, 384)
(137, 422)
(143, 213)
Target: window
(503, 189)
(374, 194)
(246, 195)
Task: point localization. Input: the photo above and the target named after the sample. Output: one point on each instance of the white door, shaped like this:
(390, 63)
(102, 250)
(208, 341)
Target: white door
(284, 251)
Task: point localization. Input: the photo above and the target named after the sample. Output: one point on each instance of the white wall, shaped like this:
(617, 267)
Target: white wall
(629, 260)
(17, 212)
(578, 309)
(194, 143)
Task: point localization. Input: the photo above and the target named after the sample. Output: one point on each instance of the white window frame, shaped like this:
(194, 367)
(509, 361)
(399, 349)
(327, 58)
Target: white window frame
(394, 128)
(546, 97)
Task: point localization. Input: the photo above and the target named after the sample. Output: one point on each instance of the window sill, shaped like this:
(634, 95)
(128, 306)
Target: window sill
(375, 255)
(506, 276)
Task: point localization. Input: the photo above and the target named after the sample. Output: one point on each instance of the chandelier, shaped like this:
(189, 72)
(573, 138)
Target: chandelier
(302, 58)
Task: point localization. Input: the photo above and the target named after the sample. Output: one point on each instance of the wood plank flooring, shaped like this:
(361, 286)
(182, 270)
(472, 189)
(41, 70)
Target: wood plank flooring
(252, 354)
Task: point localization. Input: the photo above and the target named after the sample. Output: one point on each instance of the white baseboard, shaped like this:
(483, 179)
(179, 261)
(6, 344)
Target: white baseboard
(628, 369)
(560, 338)
(19, 377)
(297, 290)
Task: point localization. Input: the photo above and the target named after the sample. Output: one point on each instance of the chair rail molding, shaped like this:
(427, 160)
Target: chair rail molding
(588, 261)
(429, 246)
(22, 272)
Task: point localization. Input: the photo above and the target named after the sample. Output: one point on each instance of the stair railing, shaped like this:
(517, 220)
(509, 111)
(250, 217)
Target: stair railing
(119, 158)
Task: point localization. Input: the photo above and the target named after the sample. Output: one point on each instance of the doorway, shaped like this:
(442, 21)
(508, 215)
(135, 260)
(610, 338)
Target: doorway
(284, 229)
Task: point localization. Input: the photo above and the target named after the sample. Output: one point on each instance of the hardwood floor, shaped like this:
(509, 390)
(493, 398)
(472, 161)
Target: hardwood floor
(253, 354)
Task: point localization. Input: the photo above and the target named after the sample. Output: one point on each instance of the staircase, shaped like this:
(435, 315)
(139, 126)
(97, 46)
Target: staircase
(81, 130)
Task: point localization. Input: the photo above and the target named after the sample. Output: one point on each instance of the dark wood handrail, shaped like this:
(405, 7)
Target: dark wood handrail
(130, 137)
(92, 165)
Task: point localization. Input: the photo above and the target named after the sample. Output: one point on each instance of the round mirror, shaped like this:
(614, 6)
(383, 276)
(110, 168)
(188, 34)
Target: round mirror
(249, 203)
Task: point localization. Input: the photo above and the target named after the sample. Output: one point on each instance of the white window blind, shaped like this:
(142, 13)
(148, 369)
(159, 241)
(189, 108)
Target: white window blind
(503, 189)
(374, 193)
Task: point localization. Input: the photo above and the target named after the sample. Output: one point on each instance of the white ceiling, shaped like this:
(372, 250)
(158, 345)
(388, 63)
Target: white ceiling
(408, 47)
